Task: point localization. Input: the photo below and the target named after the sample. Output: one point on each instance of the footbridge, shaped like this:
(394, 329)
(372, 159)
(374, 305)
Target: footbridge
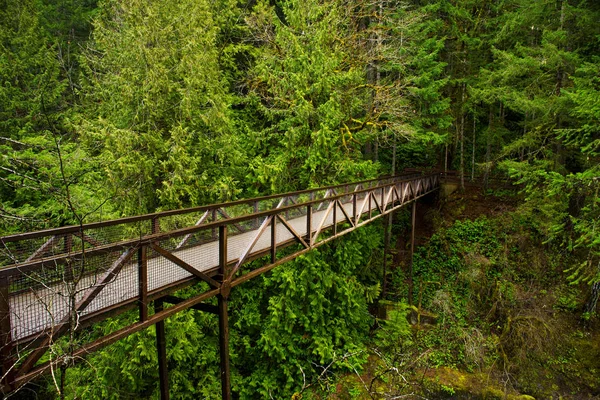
(59, 281)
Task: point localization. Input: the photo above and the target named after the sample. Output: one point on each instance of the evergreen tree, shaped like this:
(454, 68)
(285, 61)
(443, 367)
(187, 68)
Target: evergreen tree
(302, 89)
(43, 174)
(158, 109)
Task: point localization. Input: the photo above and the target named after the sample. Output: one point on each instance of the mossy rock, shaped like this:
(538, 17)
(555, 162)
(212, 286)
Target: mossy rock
(418, 316)
(463, 385)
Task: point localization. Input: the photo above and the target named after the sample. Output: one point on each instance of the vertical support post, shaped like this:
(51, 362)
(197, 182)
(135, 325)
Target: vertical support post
(354, 216)
(214, 218)
(223, 316)
(143, 282)
(309, 224)
(383, 199)
(370, 194)
(387, 226)
(256, 221)
(274, 239)
(335, 206)
(412, 253)
(6, 354)
(223, 251)
(224, 348)
(155, 225)
(161, 347)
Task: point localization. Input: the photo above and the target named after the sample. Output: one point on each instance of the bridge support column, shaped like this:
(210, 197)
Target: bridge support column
(387, 227)
(224, 348)
(412, 252)
(223, 315)
(6, 349)
(161, 347)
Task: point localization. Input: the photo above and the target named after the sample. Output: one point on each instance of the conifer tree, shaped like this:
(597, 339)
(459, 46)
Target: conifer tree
(158, 111)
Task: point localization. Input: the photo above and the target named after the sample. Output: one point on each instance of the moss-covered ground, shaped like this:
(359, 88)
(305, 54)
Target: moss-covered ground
(493, 315)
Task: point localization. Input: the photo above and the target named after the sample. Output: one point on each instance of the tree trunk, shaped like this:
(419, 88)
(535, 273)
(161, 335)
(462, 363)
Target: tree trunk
(473, 152)
(488, 148)
(590, 307)
(462, 139)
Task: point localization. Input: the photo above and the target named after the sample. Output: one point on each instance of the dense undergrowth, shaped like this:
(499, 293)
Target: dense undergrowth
(495, 317)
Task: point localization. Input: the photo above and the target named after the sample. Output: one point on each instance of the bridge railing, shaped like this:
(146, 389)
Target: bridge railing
(47, 273)
(65, 278)
(28, 247)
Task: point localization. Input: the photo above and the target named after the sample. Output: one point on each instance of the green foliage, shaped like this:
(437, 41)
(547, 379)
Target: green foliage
(394, 334)
(120, 108)
(129, 367)
(300, 98)
(308, 314)
(157, 105)
(45, 177)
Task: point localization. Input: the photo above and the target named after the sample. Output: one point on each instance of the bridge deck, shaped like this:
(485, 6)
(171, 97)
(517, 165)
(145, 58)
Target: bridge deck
(39, 270)
(34, 311)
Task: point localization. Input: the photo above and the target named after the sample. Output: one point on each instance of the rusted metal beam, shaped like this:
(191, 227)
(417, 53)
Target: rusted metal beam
(7, 360)
(87, 238)
(209, 308)
(155, 222)
(224, 348)
(223, 316)
(379, 206)
(412, 254)
(309, 217)
(348, 218)
(143, 282)
(320, 226)
(223, 265)
(292, 231)
(189, 235)
(335, 207)
(354, 217)
(259, 233)
(179, 262)
(161, 348)
(42, 249)
(227, 216)
(273, 240)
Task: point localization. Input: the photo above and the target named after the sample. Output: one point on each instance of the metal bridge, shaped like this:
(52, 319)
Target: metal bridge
(58, 281)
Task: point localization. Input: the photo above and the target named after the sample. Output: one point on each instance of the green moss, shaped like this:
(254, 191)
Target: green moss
(443, 381)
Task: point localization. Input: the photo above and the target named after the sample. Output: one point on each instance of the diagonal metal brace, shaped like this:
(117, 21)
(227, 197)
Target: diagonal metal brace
(292, 231)
(178, 261)
(62, 327)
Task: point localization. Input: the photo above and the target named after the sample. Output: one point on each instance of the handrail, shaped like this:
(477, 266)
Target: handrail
(151, 216)
(30, 263)
(137, 270)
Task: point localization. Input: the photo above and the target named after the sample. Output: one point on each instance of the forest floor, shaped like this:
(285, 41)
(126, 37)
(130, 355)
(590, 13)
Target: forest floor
(505, 325)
